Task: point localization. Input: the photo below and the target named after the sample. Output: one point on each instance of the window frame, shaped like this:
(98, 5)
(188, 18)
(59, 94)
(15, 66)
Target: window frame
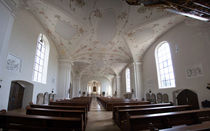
(41, 60)
(170, 65)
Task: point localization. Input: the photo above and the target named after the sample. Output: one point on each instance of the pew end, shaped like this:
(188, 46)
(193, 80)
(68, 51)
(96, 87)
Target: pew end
(3, 111)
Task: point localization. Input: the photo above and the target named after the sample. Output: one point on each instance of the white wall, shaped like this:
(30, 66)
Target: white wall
(64, 79)
(6, 23)
(23, 40)
(190, 45)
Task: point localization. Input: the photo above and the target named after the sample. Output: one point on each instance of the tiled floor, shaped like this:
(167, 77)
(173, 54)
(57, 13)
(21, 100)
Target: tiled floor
(100, 119)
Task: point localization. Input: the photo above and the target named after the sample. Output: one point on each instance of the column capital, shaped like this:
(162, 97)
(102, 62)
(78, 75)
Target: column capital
(66, 61)
(118, 76)
(138, 62)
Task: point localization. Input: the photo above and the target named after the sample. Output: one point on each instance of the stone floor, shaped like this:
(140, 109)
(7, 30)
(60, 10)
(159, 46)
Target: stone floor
(100, 119)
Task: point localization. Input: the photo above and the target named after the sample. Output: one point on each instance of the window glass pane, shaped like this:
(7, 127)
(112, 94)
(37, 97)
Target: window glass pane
(37, 59)
(40, 58)
(38, 53)
(35, 75)
(39, 47)
(39, 77)
(41, 62)
(40, 69)
(36, 67)
(164, 66)
(43, 49)
(127, 75)
(42, 55)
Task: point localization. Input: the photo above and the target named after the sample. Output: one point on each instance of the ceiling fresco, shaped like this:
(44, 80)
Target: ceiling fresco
(100, 37)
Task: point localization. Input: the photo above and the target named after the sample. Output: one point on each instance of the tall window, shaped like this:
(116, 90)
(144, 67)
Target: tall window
(41, 60)
(164, 66)
(128, 83)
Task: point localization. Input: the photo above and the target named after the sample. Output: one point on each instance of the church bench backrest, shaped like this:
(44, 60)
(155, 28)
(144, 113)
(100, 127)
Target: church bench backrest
(165, 120)
(59, 107)
(109, 106)
(71, 104)
(57, 112)
(204, 126)
(142, 111)
(109, 103)
(35, 122)
(116, 108)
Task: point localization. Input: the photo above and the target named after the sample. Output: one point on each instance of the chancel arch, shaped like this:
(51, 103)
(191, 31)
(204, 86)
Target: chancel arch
(105, 85)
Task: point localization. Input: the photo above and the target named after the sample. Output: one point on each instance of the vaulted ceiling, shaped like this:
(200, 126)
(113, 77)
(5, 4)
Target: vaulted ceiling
(100, 37)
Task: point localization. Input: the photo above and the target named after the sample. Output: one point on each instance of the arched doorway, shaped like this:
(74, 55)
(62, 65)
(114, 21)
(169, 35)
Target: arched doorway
(21, 93)
(94, 88)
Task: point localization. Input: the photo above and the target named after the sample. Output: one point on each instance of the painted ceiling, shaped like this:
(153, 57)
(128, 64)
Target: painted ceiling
(100, 37)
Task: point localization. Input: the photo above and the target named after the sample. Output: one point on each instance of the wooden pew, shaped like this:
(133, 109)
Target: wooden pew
(108, 103)
(65, 103)
(116, 108)
(76, 101)
(59, 107)
(165, 120)
(21, 122)
(121, 118)
(57, 112)
(204, 126)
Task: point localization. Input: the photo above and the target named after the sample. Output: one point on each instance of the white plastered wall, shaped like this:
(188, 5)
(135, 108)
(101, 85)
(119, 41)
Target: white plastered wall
(22, 44)
(190, 45)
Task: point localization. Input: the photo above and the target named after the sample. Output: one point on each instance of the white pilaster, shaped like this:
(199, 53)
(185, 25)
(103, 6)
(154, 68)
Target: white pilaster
(138, 80)
(76, 86)
(118, 85)
(113, 86)
(64, 79)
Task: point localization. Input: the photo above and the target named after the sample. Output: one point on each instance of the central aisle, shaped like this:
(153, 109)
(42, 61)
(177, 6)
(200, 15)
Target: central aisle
(100, 119)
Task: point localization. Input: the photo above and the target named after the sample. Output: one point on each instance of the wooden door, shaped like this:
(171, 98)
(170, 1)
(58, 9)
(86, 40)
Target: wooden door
(16, 96)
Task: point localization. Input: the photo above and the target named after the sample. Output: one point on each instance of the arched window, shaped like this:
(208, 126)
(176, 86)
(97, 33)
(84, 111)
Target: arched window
(41, 60)
(164, 66)
(127, 77)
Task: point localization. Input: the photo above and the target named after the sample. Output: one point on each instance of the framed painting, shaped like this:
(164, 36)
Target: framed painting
(13, 63)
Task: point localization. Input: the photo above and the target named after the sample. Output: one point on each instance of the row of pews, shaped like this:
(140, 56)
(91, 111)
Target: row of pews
(160, 116)
(110, 102)
(76, 101)
(58, 116)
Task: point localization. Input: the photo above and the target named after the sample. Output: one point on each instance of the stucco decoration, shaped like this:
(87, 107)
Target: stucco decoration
(65, 30)
(106, 27)
(101, 36)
